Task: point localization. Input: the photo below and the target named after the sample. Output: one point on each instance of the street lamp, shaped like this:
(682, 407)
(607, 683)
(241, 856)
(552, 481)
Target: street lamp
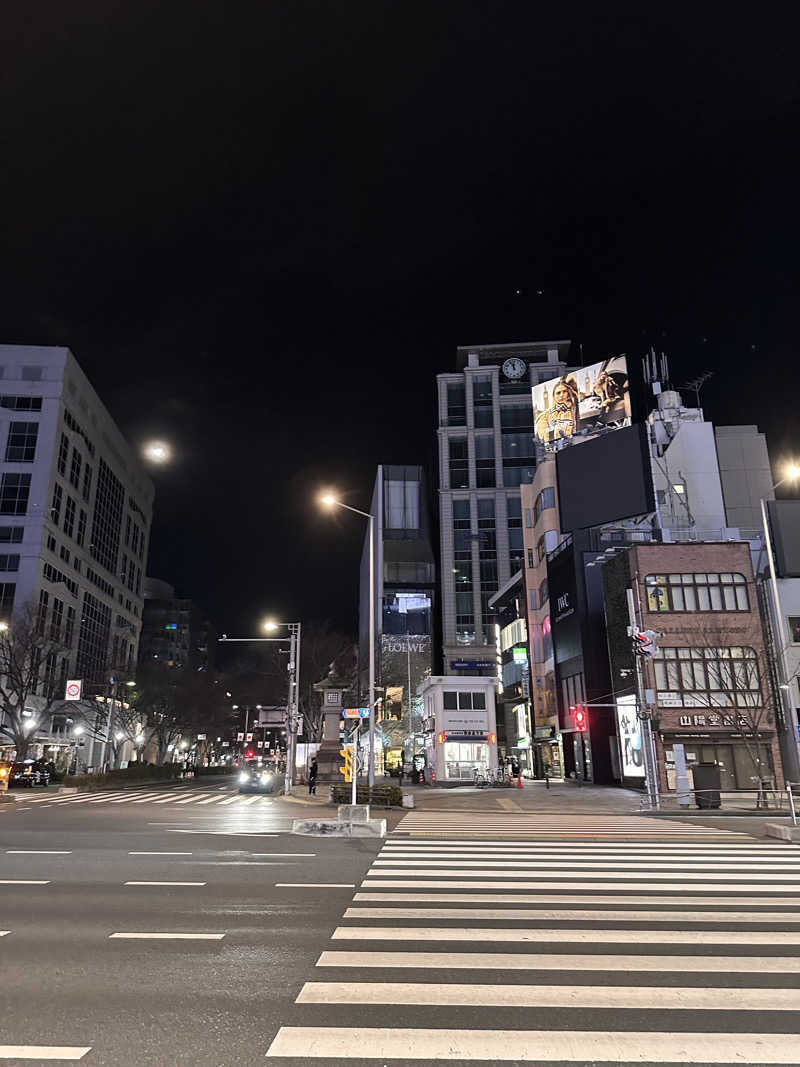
(331, 501)
(157, 452)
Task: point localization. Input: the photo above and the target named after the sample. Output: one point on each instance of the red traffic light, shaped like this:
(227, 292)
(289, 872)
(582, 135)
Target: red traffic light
(250, 754)
(580, 719)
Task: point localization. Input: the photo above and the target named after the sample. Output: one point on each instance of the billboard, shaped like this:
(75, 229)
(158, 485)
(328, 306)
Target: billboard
(630, 737)
(582, 403)
(605, 480)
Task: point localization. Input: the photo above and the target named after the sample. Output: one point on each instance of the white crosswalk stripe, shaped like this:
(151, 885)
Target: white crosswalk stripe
(708, 919)
(179, 797)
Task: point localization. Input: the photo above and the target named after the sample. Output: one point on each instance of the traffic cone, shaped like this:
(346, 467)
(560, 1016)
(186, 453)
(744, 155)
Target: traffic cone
(519, 780)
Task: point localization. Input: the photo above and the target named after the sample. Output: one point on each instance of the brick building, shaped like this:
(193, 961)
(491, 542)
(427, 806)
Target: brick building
(709, 674)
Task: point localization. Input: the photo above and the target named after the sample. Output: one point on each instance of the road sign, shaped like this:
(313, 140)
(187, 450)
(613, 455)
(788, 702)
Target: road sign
(356, 713)
(249, 737)
(240, 737)
(74, 689)
(201, 737)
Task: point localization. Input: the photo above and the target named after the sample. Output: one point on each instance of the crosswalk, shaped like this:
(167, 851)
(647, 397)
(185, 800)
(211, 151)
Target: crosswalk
(178, 798)
(504, 825)
(666, 948)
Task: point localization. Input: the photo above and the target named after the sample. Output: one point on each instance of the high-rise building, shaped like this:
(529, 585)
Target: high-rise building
(746, 475)
(174, 632)
(75, 513)
(405, 591)
(486, 452)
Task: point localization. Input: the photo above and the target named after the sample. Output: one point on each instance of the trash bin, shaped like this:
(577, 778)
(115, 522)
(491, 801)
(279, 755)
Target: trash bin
(707, 782)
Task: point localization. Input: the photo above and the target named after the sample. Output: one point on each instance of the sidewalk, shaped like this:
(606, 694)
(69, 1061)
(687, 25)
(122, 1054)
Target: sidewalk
(562, 798)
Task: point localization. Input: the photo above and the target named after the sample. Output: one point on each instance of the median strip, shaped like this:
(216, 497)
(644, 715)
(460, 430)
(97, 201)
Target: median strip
(164, 883)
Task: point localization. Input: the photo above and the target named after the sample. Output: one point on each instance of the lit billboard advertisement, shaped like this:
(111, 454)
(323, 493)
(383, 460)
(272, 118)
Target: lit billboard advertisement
(630, 737)
(582, 403)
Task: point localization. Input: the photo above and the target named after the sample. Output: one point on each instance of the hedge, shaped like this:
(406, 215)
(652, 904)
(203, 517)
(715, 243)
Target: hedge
(341, 794)
(136, 772)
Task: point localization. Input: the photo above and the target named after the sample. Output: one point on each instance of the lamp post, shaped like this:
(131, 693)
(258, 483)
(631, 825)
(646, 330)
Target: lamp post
(777, 635)
(331, 501)
(293, 705)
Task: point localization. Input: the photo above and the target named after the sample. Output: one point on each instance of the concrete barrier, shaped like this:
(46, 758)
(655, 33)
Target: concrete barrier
(783, 831)
(353, 813)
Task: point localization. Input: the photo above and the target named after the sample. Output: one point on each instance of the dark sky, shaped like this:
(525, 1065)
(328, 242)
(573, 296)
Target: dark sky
(264, 227)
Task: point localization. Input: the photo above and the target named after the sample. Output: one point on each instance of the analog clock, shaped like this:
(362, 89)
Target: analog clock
(514, 368)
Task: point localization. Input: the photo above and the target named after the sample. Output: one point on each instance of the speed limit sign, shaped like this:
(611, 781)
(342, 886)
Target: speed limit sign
(74, 689)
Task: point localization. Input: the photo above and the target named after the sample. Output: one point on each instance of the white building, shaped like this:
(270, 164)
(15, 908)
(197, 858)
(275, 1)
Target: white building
(75, 513)
(460, 729)
(486, 452)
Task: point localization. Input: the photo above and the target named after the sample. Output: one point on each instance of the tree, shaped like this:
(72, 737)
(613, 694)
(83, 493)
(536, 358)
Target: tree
(29, 649)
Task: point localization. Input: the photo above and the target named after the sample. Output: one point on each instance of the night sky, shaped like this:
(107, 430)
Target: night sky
(263, 228)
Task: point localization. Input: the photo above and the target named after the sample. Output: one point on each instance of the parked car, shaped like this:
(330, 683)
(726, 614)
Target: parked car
(255, 779)
(28, 773)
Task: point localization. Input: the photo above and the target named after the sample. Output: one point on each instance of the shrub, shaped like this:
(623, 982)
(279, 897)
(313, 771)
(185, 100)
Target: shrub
(135, 772)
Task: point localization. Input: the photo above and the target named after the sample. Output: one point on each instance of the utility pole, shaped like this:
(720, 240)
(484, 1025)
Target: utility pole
(644, 712)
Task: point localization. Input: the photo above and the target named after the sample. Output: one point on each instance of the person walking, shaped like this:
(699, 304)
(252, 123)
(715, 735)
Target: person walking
(312, 778)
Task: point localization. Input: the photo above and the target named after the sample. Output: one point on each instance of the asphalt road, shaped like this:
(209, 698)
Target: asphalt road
(466, 937)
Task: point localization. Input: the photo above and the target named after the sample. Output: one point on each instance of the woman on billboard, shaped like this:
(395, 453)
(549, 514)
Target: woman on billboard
(561, 418)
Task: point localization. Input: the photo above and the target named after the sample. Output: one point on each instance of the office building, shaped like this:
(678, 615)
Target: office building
(75, 513)
(745, 474)
(405, 600)
(486, 452)
(709, 673)
(174, 632)
(459, 728)
(514, 733)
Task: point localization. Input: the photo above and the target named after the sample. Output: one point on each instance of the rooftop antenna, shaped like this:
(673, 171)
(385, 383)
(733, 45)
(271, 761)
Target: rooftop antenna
(696, 384)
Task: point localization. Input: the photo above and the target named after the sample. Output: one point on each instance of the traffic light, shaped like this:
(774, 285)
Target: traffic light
(644, 642)
(581, 719)
(347, 770)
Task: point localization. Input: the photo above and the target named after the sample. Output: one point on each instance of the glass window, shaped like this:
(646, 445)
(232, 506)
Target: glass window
(75, 468)
(21, 403)
(696, 592)
(708, 677)
(107, 519)
(461, 510)
(450, 701)
(21, 443)
(459, 463)
(69, 517)
(401, 507)
(14, 490)
(9, 561)
(456, 404)
(485, 511)
(483, 418)
(516, 417)
(87, 482)
(465, 701)
(546, 499)
(11, 533)
(63, 455)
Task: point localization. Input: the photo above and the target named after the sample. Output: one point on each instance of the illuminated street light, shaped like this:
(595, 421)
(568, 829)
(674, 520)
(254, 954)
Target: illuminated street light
(157, 452)
(119, 736)
(139, 739)
(270, 625)
(131, 684)
(78, 731)
(3, 627)
(793, 471)
(329, 500)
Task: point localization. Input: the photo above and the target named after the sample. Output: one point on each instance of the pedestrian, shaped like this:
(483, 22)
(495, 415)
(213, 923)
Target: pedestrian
(400, 772)
(312, 778)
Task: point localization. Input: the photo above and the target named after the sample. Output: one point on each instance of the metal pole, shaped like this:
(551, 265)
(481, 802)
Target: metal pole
(111, 690)
(779, 645)
(648, 744)
(354, 775)
(287, 781)
(371, 768)
(791, 803)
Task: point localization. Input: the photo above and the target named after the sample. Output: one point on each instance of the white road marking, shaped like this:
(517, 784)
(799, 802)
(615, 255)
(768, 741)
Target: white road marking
(38, 852)
(579, 866)
(4, 933)
(165, 883)
(224, 833)
(710, 900)
(504, 882)
(535, 961)
(129, 799)
(166, 937)
(208, 800)
(251, 800)
(192, 799)
(305, 855)
(44, 1052)
(159, 853)
(147, 797)
(568, 915)
(315, 885)
(571, 936)
(692, 998)
(230, 800)
(23, 881)
(746, 845)
(532, 1046)
(723, 861)
(169, 799)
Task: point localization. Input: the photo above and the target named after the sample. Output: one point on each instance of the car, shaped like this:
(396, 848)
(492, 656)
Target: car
(255, 779)
(25, 774)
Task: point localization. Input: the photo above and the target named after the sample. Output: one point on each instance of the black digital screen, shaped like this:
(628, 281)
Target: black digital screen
(604, 480)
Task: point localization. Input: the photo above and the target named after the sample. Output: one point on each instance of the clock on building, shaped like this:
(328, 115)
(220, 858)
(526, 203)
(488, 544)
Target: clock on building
(514, 368)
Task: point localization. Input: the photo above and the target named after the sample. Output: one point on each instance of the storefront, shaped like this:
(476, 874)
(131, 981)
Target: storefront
(460, 729)
(735, 758)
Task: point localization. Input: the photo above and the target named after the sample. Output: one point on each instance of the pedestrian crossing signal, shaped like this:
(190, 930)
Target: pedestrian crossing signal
(347, 770)
(580, 719)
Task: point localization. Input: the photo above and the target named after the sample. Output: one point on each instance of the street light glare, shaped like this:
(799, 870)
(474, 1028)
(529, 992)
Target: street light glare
(328, 500)
(793, 471)
(157, 452)
(270, 625)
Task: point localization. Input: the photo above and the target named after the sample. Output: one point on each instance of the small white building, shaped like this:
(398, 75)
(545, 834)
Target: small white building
(460, 729)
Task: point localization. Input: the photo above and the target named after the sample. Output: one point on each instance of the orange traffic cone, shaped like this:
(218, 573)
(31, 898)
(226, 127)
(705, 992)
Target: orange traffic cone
(519, 781)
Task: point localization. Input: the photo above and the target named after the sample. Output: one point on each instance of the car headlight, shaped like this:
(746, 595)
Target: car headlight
(244, 777)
